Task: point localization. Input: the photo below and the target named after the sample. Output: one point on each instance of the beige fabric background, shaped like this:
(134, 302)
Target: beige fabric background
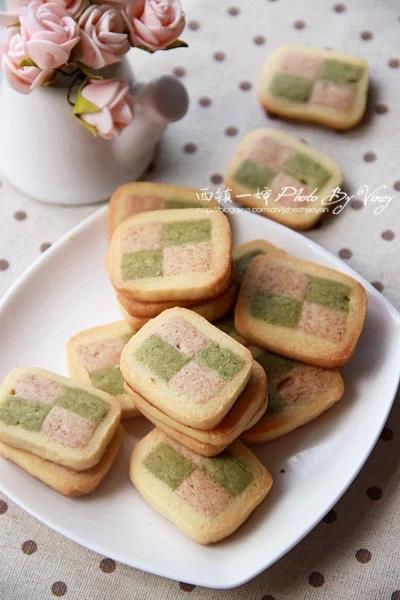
(354, 554)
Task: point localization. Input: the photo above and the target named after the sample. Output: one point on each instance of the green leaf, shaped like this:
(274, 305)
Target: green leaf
(82, 105)
(87, 126)
(89, 73)
(177, 44)
(145, 48)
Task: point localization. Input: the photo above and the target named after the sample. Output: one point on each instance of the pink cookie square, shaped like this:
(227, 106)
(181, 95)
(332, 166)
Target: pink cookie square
(270, 153)
(187, 258)
(67, 428)
(145, 236)
(301, 384)
(196, 383)
(38, 389)
(282, 281)
(203, 494)
(339, 96)
(100, 355)
(183, 336)
(288, 191)
(300, 65)
(319, 320)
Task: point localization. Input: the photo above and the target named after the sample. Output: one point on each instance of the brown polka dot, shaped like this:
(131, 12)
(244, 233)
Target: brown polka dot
(316, 579)
(29, 547)
(194, 25)
(369, 156)
(366, 35)
(219, 56)
(59, 588)
(282, 471)
(45, 246)
(268, 597)
(356, 204)
(395, 595)
(3, 507)
(378, 285)
(107, 565)
(259, 40)
(394, 63)
(231, 131)
(216, 178)
(345, 253)
(186, 587)
(387, 434)
(388, 235)
(20, 215)
(179, 72)
(363, 555)
(4, 264)
(374, 493)
(204, 101)
(245, 86)
(233, 11)
(299, 24)
(339, 7)
(381, 109)
(396, 186)
(331, 517)
(190, 148)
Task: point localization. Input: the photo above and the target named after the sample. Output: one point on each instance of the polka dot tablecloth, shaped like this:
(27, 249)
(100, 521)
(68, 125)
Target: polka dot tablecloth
(354, 553)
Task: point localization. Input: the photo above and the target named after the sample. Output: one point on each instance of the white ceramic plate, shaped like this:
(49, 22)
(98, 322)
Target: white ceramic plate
(67, 290)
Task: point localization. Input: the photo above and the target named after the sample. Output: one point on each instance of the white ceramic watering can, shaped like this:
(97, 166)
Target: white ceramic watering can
(47, 154)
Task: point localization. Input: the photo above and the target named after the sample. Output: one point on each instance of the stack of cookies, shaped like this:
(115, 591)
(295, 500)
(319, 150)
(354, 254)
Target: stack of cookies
(166, 258)
(64, 433)
(193, 381)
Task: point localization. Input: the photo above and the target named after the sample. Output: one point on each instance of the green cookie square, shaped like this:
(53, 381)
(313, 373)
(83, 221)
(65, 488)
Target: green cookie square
(229, 472)
(221, 360)
(332, 294)
(84, 404)
(297, 89)
(109, 380)
(177, 203)
(307, 170)
(23, 413)
(145, 263)
(339, 71)
(277, 310)
(275, 365)
(160, 357)
(253, 176)
(186, 232)
(168, 465)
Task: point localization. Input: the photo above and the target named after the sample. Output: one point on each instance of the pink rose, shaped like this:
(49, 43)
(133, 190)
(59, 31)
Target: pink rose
(104, 36)
(106, 105)
(22, 78)
(73, 7)
(49, 33)
(155, 24)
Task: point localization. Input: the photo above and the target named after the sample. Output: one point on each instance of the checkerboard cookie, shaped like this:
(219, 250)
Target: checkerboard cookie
(186, 367)
(56, 418)
(171, 255)
(301, 310)
(282, 177)
(64, 480)
(297, 394)
(140, 196)
(206, 498)
(251, 402)
(244, 253)
(315, 84)
(93, 358)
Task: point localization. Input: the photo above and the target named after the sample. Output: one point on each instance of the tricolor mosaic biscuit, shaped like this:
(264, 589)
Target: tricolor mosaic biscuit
(301, 310)
(251, 402)
(244, 253)
(93, 357)
(206, 498)
(315, 84)
(186, 367)
(283, 177)
(140, 196)
(56, 418)
(171, 255)
(297, 394)
(62, 479)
